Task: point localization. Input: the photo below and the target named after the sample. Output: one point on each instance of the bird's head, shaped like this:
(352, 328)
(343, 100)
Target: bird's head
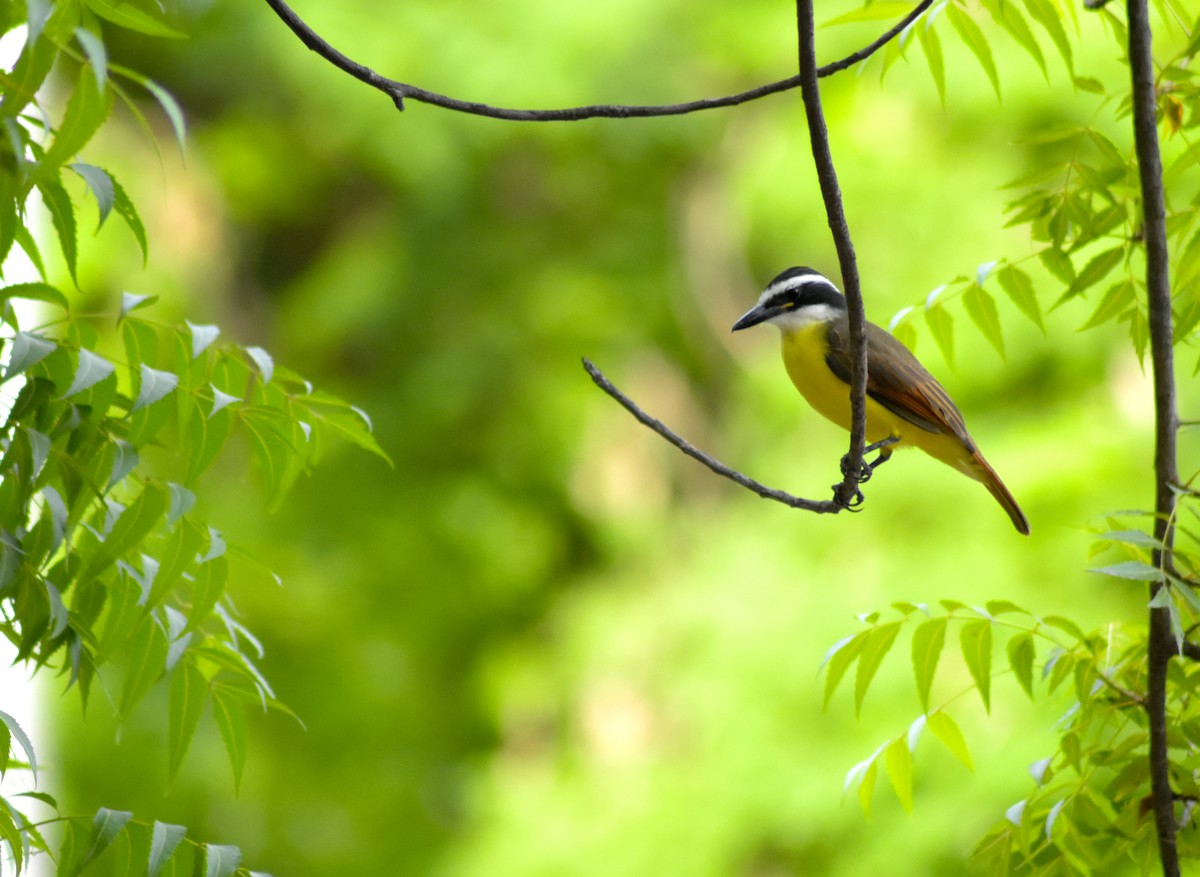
(793, 300)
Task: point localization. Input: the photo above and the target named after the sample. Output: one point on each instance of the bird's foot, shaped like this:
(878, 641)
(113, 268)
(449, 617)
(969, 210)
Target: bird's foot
(868, 468)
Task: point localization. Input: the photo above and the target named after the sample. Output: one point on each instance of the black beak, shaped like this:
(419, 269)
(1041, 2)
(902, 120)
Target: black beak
(753, 317)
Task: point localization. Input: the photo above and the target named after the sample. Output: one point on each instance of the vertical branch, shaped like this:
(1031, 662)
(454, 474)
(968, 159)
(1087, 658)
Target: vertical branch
(1162, 645)
(832, 195)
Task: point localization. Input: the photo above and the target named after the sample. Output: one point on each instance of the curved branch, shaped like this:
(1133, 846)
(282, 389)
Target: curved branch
(831, 193)
(400, 91)
(811, 505)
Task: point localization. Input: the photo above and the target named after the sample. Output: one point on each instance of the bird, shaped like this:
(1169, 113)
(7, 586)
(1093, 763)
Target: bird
(906, 406)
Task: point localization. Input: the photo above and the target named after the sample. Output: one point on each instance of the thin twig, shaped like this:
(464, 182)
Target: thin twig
(1162, 645)
(1190, 650)
(400, 91)
(796, 502)
(848, 492)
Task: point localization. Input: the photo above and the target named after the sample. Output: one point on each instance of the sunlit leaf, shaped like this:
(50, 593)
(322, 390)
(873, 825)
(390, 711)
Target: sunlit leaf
(132, 301)
(262, 359)
(976, 638)
(36, 292)
(981, 308)
(154, 385)
(27, 350)
(16, 733)
(974, 39)
(878, 643)
(91, 370)
(1131, 569)
(1020, 657)
(202, 337)
(106, 825)
(942, 726)
(97, 55)
(927, 642)
(1019, 288)
(941, 326)
(132, 17)
(164, 838)
(898, 761)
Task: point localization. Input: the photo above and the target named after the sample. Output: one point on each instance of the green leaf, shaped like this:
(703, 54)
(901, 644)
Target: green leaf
(976, 639)
(106, 825)
(931, 47)
(29, 73)
(946, 729)
(981, 308)
(1095, 271)
(230, 715)
(1066, 625)
(1058, 263)
(97, 55)
(36, 292)
(132, 301)
(1020, 658)
(62, 216)
(153, 386)
(134, 524)
(1131, 537)
(1135, 570)
(344, 420)
(219, 860)
(898, 761)
(147, 658)
(128, 212)
(1008, 16)
(17, 734)
(164, 838)
(101, 186)
(86, 111)
(1045, 14)
(927, 643)
(189, 691)
(974, 39)
(1115, 302)
(71, 850)
(839, 658)
(941, 325)
(207, 589)
(202, 337)
(878, 643)
(262, 359)
(1019, 288)
(132, 17)
(27, 351)
(92, 369)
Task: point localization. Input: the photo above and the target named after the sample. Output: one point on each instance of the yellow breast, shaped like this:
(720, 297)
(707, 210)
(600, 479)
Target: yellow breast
(804, 352)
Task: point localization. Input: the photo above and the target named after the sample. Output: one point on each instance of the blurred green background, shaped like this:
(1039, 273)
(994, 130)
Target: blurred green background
(546, 643)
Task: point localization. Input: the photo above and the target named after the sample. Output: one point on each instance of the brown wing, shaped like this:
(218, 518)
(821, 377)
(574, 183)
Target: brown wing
(897, 381)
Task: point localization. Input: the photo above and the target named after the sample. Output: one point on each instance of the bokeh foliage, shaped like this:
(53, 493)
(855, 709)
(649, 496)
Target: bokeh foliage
(543, 644)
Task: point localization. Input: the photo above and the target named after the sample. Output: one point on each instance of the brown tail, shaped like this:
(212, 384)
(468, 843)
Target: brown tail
(996, 488)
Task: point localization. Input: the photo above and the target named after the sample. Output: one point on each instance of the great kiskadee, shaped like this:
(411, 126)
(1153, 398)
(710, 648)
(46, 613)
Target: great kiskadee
(905, 404)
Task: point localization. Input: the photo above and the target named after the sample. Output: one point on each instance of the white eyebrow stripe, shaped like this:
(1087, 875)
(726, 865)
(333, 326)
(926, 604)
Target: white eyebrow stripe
(794, 283)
